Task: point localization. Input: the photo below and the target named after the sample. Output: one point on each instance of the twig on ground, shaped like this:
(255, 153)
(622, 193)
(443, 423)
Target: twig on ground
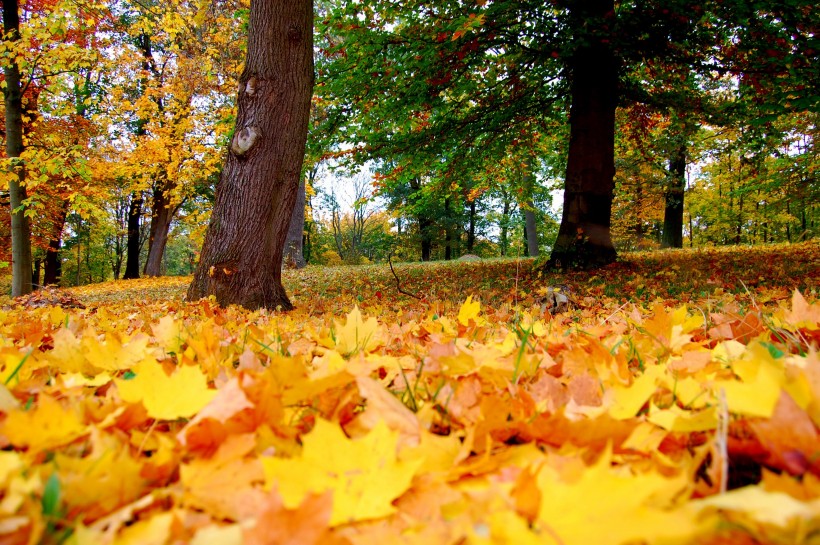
(398, 282)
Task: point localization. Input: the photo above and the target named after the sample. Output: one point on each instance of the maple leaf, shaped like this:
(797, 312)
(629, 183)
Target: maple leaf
(803, 314)
(46, 426)
(469, 311)
(357, 334)
(611, 505)
(115, 473)
(225, 484)
(180, 395)
(307, 524)
(363, 474)
(757, 509)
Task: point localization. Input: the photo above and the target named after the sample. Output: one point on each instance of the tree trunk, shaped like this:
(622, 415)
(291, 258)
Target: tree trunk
(673, 211)
(296, 231)
(242, 254)
(53, 266)
(132, 259)
(162, 213)
(425, 225)
(505, 222)
(448, 231)
(530, 227)
(471, 228)
(584, 239)
(13, 95)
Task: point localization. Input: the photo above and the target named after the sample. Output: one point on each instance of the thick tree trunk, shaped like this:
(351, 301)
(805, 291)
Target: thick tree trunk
(162, 213)
(673, 211)
(296, 231)
(584, 239)
(132, 252)
(13, 95)
(53, 266)
(242, 255)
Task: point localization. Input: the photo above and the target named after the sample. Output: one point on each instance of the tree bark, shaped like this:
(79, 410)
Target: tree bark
(584, 239)
(296, 231)
(673, 210)
(13, 95)
(530, 227)
(162, 213)
(132, 252)
(471, 227)
(242, 254)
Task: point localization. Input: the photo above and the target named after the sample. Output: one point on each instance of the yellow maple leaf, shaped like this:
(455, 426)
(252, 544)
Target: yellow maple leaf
(180, 395)
(46, 426)
(117, 352)
(761, 379)
(363, 474)
(357, 334)
(757, 506)
(112, 469)
(469, 311)
(153, 531)
(168, 333)
(627, 400)
(608, 505)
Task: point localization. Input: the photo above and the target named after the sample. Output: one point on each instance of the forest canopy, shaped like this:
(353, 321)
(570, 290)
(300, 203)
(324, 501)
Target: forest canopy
(438, 129)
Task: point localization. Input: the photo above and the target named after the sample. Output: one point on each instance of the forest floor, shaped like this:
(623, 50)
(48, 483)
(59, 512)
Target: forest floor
(676, 399)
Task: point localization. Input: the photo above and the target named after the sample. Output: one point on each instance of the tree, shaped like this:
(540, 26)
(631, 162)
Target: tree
(13, 95)
(241, 258)
(423, 79)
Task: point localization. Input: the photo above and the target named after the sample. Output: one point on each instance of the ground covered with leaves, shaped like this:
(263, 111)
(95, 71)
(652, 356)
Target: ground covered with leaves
(674, 398)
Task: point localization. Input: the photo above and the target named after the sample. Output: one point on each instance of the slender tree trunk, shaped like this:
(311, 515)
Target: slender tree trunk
(53, 266)
(584, 239)
(132, 252)
(673, 211)
(425, 224)
(242, 255)
(505, 223)
(531, 228)
(448, 231)
(13, 95)
(162, 213)
(471, 228)
(296, 231)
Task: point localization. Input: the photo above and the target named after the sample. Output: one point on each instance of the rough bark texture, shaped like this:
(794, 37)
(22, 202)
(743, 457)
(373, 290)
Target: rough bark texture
(296, 231)
(584, 239)
(672, 236)
(242, 254)
(20, 228)
(162, 213)
(132, 252)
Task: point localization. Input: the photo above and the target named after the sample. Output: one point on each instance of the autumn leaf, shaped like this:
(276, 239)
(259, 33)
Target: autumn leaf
(49, 424)
(224, 484)
(357, 334)
(469, 311)
(180, 395)
(364, 474)
(606, 504)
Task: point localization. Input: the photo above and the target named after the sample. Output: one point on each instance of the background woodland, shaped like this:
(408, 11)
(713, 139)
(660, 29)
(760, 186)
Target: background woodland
(129, 107)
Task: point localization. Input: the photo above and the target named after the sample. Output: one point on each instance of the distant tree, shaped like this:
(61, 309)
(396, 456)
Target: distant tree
(241, 258)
